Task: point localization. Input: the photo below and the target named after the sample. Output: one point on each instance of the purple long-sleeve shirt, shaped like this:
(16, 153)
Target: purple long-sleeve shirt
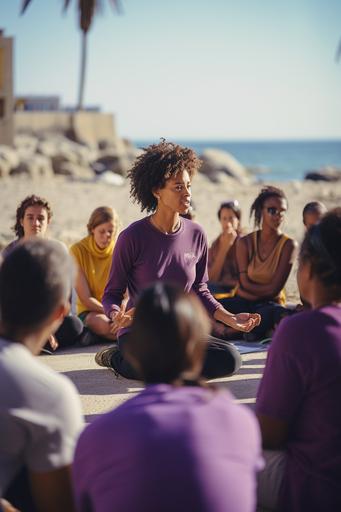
(143, 255)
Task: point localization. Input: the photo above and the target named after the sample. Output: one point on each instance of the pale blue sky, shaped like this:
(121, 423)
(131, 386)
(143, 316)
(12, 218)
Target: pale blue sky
(215, 69)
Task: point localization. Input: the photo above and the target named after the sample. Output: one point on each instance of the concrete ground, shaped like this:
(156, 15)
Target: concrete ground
(100, 390)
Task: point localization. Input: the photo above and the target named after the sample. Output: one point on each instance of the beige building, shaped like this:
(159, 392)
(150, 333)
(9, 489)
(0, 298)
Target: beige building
(6, 90)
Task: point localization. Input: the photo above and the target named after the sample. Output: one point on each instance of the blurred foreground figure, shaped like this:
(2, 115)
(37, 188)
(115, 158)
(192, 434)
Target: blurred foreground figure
(180, 444)
(40, 413)
(298, 401)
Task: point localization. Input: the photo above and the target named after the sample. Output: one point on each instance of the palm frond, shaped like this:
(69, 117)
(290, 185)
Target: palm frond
(24, 6)
(66, 5)
(117, 5)
(338, 53)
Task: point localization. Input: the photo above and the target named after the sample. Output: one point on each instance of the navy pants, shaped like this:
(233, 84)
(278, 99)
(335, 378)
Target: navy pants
(222, 359)
(270, 311)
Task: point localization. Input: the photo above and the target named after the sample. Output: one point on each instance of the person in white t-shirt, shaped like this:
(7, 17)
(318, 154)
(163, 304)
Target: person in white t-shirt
(40, 411)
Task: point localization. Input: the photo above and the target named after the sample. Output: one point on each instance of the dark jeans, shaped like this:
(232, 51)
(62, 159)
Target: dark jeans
(70, 330)
(222, 359)
(270, 311)
(19, 492)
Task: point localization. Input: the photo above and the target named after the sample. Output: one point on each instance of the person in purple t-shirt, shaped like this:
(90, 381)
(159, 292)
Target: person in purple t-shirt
(167, 247)
(298, 402)
(180, 444)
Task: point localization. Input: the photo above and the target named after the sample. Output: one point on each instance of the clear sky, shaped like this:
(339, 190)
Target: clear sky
(186, 69)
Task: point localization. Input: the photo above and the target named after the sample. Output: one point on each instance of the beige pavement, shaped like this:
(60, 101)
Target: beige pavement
(100, 390)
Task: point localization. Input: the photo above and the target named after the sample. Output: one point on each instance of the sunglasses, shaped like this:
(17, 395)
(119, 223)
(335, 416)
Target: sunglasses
(272, 210)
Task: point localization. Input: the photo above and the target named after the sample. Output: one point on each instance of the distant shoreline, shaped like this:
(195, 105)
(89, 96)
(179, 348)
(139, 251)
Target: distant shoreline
(280, 160)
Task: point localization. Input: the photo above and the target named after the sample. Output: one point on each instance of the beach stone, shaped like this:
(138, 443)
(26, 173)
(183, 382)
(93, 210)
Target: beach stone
(111, 178)
(4, 168)
(115, 163)
(9, 155)
(216, 161)
(63, 157)
(329, 174)
(25, 145)
(35, 166)
(75, 171)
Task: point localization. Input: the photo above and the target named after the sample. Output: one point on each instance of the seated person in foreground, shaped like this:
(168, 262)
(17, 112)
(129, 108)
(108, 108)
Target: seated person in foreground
(298, 402)
(313, 213)
(180, 444)
(222, 263)
(40, 411)
(93, 255)
(265, 258)
(33, 217)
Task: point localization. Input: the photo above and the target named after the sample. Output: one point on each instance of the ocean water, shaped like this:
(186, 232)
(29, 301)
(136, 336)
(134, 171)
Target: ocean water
(277, 160)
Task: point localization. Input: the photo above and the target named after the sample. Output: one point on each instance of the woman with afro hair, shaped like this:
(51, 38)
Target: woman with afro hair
(168, 247)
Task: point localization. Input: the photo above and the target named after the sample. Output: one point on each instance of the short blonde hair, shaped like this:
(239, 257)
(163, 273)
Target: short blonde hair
(101, 215)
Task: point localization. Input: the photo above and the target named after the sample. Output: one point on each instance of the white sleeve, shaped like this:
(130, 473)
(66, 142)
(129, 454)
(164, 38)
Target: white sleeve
(54, 435)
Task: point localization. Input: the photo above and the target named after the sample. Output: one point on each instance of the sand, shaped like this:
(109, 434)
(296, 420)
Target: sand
(73, 201)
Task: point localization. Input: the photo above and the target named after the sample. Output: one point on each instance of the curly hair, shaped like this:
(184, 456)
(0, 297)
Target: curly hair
(101, 215)
(258, 203)
(32, 200)
(321, 247)
(155, 166)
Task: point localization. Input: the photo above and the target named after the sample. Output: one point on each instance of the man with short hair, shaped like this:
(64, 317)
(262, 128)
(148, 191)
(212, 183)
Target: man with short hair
(40, 411)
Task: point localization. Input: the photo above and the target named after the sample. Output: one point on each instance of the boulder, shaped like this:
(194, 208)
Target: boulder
(25, 145)
(119, 164)
(36, 166)
(9, 155)
(75, 171)
(325, 174)
(4, 168)
(110, 178)
(217, 162)
(61, 158)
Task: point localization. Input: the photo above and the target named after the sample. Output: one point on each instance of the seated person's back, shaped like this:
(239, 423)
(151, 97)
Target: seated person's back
(179, 444)
(298, 401)
(40, 413)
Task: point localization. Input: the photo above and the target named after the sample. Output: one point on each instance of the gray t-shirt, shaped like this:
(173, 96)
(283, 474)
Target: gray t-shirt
(40, 415)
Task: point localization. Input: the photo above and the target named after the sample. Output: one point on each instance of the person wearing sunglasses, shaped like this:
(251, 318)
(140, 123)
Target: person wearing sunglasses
(222, 263)
(265, 258)
(298, 401)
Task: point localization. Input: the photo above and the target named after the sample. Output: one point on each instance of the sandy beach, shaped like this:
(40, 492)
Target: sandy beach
(73, 201)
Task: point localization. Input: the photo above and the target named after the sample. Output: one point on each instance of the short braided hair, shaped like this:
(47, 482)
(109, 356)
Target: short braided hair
(258, 203)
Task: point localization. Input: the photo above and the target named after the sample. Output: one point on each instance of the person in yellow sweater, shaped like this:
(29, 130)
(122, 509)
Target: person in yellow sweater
(93, 256)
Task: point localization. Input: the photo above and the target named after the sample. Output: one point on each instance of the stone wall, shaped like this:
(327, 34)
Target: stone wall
(86, 127)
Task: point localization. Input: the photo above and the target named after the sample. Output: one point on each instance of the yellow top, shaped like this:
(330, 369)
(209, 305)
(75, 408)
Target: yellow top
(95, 264)
(263, 271)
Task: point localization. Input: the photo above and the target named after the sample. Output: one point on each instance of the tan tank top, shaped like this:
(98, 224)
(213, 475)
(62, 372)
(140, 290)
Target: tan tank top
(262, 271)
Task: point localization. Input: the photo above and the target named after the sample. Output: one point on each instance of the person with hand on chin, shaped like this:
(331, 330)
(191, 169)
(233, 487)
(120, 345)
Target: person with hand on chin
(222, 262)
(164, 246)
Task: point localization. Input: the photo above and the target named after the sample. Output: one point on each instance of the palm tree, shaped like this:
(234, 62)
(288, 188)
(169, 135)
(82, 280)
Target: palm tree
(86, 11)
